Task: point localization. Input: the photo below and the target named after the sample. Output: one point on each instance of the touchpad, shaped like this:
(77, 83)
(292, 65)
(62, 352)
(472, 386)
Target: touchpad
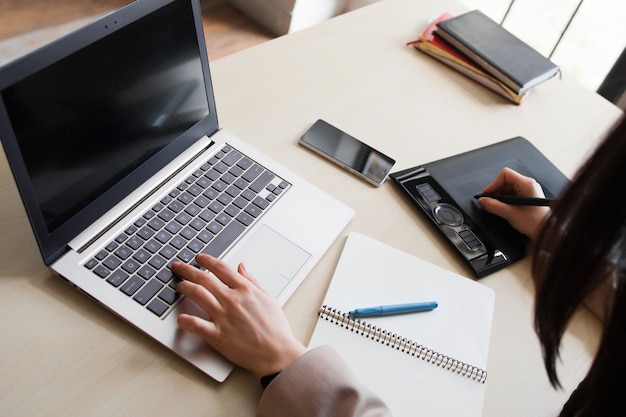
(271, 259)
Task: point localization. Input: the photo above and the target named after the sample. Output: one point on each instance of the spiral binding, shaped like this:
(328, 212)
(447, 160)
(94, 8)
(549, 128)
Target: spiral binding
(402, 344)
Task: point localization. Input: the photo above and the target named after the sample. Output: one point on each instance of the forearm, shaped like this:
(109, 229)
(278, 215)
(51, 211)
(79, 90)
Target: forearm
(319, 384)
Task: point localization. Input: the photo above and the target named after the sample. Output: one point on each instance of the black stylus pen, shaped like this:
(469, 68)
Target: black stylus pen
(516, 200)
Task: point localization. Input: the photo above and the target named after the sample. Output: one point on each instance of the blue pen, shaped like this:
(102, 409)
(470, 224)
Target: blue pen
(393, 309)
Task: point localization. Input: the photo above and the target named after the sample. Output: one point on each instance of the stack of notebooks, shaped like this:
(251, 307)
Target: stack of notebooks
(483, 50)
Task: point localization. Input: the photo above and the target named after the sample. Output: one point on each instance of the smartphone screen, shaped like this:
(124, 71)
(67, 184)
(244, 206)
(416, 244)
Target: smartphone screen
(348, 152)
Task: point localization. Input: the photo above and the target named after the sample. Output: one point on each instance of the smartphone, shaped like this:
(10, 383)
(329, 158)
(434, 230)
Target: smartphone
(348, 152)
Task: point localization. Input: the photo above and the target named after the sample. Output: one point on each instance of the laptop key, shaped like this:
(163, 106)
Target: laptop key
(219, 186)
(203, 182)
(158, 307)
(231, 210)
(167, 252)
(166, 215)
(156, 224)
(231, 158)
(173, 227)
(132, 285)
(152, 246)
(244, 163)
(240, 202)
(245, 218)
(130, 266)
(207, 215)
(178, 242)
(157, 262)
(223, 219)
(253, 210)
(186, 198)
(198, 224)
(205, 236)
(261, 202)
(117, 278)
(252, 172)
(169, 295)
(214, 227)
(120, 238)
(195, 246)
(183, 218)
(91, 263)
(112, 262)
(165, 275)
(188, 233)
(148, 291)
(193, 210)
(185, 255)
(236, 171)
(146, 272)
(230, 233)
(134, 242)
(228, 178)
(163, 236)
(176, 206)
(262, 181)
(202, 201)
(221, 167)
(123, 252)
(101, 271)
(141, 255)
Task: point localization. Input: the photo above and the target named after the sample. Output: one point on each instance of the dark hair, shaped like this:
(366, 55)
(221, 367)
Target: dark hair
(580, 247)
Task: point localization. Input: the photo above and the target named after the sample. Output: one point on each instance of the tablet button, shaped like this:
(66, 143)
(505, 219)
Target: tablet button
(470, 239)
(427, 192)
(448, 215)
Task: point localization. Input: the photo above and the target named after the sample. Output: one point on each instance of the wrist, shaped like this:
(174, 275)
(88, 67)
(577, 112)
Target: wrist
(288, 355)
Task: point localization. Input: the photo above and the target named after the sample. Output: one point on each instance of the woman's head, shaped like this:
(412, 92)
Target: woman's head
(582, 247)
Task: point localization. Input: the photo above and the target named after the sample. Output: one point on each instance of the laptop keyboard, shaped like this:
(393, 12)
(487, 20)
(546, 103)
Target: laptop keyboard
(205, 213)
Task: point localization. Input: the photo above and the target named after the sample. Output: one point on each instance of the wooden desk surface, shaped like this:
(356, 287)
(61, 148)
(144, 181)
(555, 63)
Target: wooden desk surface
(64, 355)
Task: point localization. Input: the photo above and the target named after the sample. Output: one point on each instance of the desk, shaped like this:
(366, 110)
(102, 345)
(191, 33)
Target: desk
(64, 355)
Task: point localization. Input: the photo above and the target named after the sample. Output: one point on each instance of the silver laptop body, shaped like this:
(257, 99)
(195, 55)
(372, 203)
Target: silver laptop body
(112, 137)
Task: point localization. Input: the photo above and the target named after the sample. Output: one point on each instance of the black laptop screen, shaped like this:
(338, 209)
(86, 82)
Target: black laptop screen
(85, 122)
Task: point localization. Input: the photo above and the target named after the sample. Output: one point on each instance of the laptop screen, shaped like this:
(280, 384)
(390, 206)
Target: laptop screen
(88, 120)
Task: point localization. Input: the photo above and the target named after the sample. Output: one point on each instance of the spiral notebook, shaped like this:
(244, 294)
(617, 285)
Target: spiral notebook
(433, 362)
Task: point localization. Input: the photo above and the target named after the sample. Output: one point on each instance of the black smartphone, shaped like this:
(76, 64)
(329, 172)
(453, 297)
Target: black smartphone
(348, 152)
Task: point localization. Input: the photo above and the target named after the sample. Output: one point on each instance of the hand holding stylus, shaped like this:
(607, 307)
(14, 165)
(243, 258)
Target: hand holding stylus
(525, 218)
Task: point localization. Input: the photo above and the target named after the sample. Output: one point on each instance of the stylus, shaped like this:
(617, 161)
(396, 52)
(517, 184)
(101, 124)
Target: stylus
(393, 309)
(516, 200)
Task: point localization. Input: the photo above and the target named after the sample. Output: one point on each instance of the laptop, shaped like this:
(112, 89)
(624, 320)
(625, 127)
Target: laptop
(112, 136)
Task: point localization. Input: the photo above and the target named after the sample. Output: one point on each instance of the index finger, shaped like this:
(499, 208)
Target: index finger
(223, 271)
(193, 274)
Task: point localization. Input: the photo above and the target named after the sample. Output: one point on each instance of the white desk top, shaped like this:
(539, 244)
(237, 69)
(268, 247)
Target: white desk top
(64, 355)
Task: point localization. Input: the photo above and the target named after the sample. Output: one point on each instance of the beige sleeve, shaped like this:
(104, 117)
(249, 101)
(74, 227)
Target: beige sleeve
(319, 384)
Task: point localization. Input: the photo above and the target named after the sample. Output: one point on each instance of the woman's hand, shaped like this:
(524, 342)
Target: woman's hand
(247, 325)
(525, 219)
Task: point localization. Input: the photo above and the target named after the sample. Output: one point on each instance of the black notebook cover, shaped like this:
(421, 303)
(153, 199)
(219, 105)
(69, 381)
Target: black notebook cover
(497, 50)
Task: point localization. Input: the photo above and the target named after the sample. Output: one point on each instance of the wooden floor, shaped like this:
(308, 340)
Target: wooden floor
(227, 30)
